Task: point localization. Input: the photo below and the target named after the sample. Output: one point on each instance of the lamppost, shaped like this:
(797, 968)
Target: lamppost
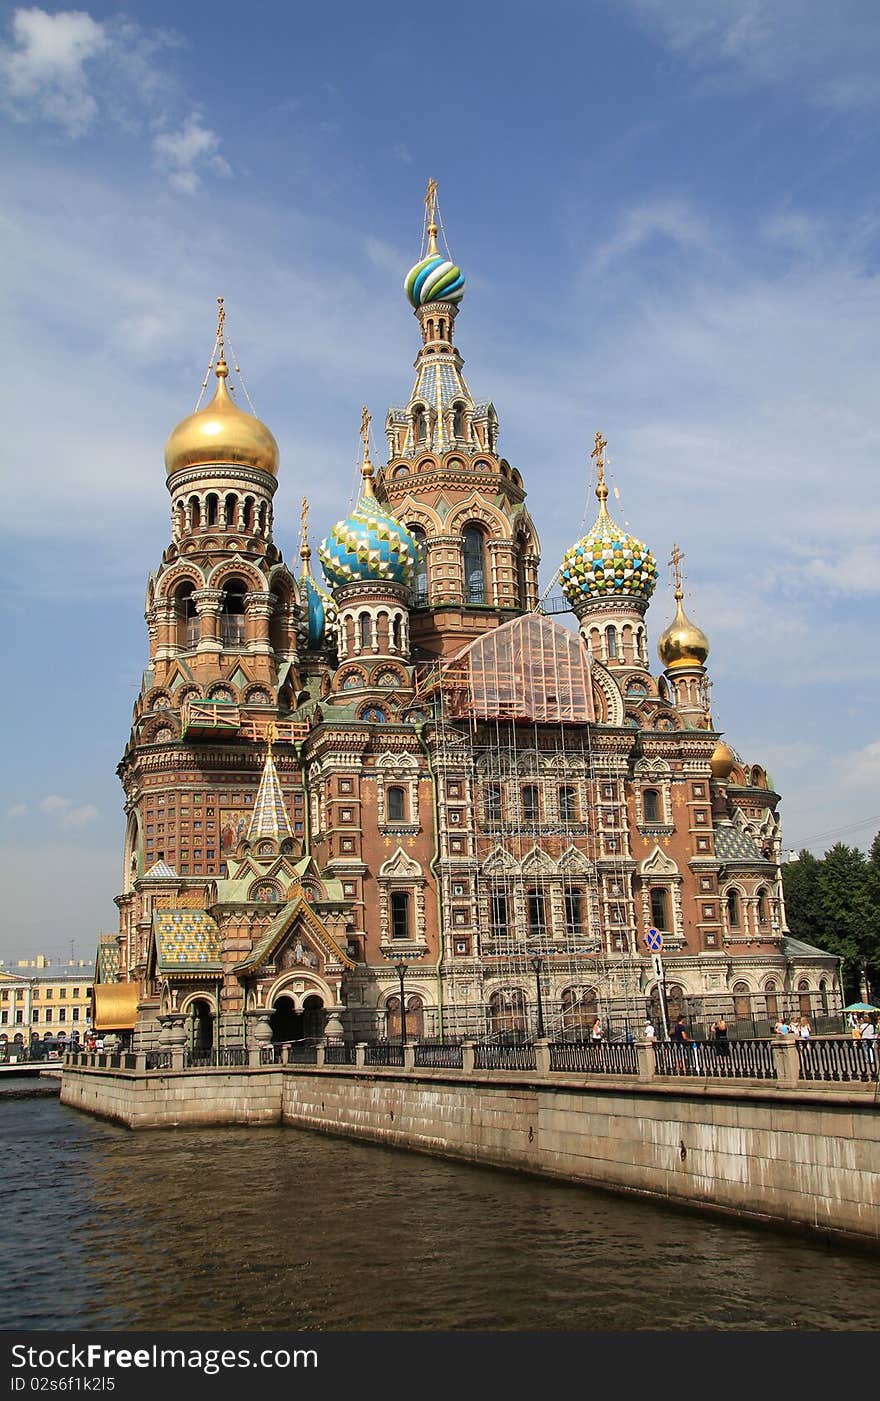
(537, 963)
(400, 969)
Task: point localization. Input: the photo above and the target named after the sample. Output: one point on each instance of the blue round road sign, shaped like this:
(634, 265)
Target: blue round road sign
(654, 940)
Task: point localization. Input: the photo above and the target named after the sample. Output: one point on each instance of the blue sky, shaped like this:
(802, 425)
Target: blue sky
(667, 214)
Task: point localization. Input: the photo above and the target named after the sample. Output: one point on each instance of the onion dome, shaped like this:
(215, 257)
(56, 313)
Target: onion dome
(221, 432)
(607, 562)
(434, 278)
(370, 545)
(683, 643)
(722, 761)
(320, 606)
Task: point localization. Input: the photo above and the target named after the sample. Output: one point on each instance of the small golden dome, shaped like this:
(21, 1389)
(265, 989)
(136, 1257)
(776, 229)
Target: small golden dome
(722, 761)
(683, 643)
(221, 432)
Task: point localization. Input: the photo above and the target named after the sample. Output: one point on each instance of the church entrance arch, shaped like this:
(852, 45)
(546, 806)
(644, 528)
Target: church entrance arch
(286, 1020)
(202, 1032)
(297, 1018)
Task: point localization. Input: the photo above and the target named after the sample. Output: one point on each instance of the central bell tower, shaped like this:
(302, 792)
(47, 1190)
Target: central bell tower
(446, 481)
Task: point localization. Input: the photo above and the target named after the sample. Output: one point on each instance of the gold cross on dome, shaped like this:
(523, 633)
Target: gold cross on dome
(431, 199)
(366, 420)
(304, 519)
(675, 564)
(221, 321)
(599, 454)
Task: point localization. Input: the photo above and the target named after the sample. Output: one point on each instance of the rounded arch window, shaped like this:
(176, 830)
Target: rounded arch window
(187, 616)
(611, 642)
(660, 907)
(365, 633)
(458, 421)
(473, 551)
(232, 613)
(733, 908)
(420, 577)
(420, 425)
(651, 799)
(763, 906)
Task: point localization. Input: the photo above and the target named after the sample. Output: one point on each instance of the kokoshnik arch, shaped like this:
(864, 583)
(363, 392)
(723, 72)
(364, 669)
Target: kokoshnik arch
(415, 760)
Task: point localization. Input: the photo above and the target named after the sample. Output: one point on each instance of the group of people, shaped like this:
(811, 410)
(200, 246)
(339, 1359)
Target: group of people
(794, 1026)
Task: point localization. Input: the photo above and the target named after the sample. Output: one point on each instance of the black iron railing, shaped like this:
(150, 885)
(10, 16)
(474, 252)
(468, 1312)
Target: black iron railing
(493, 1057)
(339, 1055)
(615, 1058)
(384, 1053)
(739, 1060)
(842, 1060)
(158, 1060)
(442, 1055)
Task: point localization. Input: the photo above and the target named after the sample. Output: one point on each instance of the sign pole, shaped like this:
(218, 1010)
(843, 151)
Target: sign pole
(654, 940)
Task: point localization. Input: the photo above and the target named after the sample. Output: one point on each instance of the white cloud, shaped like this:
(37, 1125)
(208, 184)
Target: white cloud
(672, 220)
(18, 810)
(68, 811)
(187, 152)
(862, 770)
(401, 152)
(44, 70)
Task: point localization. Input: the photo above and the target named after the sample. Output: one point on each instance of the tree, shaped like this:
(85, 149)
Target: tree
(834, 903)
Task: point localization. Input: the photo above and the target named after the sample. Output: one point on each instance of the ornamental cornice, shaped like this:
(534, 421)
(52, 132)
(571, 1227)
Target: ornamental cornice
(188, 476)
(451, 478)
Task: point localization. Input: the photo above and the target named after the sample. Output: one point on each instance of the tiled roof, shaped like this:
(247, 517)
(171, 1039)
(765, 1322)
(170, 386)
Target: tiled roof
(269, 818)
(186, 939)
(160, 870)
(732, 844)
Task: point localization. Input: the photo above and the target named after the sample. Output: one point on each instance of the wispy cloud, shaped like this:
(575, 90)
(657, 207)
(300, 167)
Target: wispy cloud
(67, 811)
(670, 220)
(862, 770)
(187, 152)
(830, 57)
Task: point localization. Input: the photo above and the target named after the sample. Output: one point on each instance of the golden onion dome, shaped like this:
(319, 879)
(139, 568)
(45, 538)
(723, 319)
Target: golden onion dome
(221, 432)
(722, 761)
(683, 643)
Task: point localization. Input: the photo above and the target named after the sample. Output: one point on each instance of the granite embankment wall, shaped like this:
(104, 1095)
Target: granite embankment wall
(807, 1157)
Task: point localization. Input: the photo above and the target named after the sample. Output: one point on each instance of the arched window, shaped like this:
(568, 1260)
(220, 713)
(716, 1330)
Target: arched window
(364, 631)
(474, 566)
(733, 908)
(771, 1001)
(742, 1002)
(494, 809)
(187, 617)
(659, 907)
(195, 513)
(397, 633)
(804, 998)
(212, 505)
(248, 513)
(522, 578)
(458, 421)
(396, 805)
(531, 807)
(507, 1012)
(232, 615)
(420, 577)
(400, 914)
(651, 799)
(580, 1007)
(420, 427)
(611, 642)
(537, 914)
(231, 511)
(567, 804)
(823, 997)
(498, 914)
(574, 911)
(763, 908)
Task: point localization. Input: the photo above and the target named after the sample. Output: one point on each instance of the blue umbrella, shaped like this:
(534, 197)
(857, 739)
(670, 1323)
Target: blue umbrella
(861, 1007)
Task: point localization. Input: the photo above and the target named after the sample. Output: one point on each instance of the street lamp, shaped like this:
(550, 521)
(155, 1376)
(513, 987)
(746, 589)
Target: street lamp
(400, 969)
(537, 963)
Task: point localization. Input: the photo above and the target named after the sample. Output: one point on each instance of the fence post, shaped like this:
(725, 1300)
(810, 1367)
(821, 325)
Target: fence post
(254, 1057)
(140, 1062)
(319, 1053)
(409, 1056)
(467, 1057)
(785, 1059)
(359, 1052)
(177, 1057)
(647, 1060)
(542, 1056)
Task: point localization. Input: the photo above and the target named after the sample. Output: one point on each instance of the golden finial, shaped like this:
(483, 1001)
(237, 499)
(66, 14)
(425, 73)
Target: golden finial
(305, 553)
(599, 454)
(271, 736)
(431, 207)
(675, 564)
(366, 465)
(220, 369)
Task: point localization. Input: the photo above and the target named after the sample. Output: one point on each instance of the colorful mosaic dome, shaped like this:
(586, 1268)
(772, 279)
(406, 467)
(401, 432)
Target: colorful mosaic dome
(434, 279)
(321, 611)
(370, 544)
(607, 563)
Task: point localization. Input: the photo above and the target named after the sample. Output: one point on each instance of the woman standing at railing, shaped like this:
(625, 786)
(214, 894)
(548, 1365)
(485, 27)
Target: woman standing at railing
(868, 1040)
(720, 1037)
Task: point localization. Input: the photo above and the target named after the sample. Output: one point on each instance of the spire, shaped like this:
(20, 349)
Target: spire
(366, 464)
(305, 552)
(269, 817)
(431, 215)
(601, 487)
(221, 368)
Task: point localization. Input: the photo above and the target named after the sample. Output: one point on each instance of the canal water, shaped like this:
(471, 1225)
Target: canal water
(280, 1229)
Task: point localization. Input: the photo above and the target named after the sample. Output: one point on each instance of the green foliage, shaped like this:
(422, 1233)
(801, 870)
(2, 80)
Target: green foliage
(834, 903)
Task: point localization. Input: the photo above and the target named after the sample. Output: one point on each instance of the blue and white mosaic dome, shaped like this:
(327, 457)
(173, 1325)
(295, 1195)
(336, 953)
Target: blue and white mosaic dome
(369, 545)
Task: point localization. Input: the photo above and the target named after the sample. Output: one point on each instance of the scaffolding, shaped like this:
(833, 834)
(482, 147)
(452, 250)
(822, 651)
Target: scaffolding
(536, 882)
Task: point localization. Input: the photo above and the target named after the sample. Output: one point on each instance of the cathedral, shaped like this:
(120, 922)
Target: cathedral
(414, 795)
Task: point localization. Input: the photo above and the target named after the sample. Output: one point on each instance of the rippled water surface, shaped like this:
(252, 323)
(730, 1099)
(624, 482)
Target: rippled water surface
(276, 1228)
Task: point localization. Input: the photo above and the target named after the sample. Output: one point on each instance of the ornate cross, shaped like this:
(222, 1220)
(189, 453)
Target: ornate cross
(221, 320)
(366, 420)
(431, 199)
(675, 564)
(599, 454)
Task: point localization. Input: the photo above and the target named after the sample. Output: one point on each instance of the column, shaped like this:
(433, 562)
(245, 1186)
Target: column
(208, 604)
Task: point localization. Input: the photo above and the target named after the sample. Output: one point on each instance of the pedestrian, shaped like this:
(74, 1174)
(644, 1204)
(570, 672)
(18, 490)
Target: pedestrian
(781, 1027)
(805, 1031)
(680, 1039)
(720, 1037)
(869, 1041)
(649, 1031)
(596, 1032)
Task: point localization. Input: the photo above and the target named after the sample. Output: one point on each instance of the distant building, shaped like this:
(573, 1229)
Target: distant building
(46, 999)
(417, 763)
